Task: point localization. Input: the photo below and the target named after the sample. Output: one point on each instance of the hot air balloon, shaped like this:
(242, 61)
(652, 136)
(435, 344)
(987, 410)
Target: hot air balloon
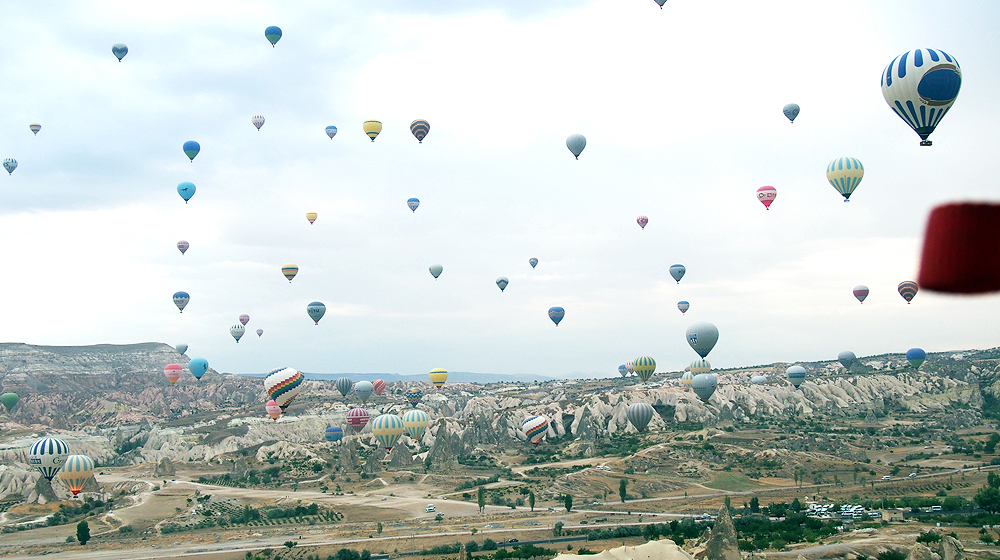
(10, 164)
(921, 86)
(191, 149)
(289, 270)
(533, 262)
(861, 292)
(413, 395)
(35, 127)
(660, 2)
(420, 128)
(576, 143)
(372, 128)
(119, 50)
(183, 246)
(379, 386)
(639, 415)
(198, 367)
(181, 348)
(766, 196)
(76, 472)
(677, 271)
(237, 331)
(48, 455)
(344, 385)
(683, 306)
(244, 319)
(644, 367)
(364, 389)
(642, 221)
(415, 422)
(702, 337)
(311, 216)
(173, 372)
(316, 310)
(502, 283)
(846, 358)
(283, 385)
(630, 366)
(387, 428)
(704, 385)
(556, 314)
(700, 366)
(331, 131)
(273, 34)
(438, 377)
(686, 378)
(258, 121)
(916, 357)
(791, 111)
(260, 332)
(907, 289)
(357, 419)
(534, 428)
(334, 433)
(623, 370)
(758, 379)
(413, 203)
(796, 375)
(436, 270)
(845, 174)
(9, 401)
(186, 190)
(272, 408)
(181, 300)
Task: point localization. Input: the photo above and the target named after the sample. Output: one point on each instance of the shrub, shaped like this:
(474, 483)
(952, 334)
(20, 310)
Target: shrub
(929, 537)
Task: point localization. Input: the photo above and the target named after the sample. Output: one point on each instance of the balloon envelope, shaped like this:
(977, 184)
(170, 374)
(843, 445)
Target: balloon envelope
(845, 174)
(316, 310)
(181, 348)
(10, 164)
(186, 190)
(534, 428)
(272, 409)
(413, 203)
(48, 455)
(289, 270)
(623, 370)
(198, 367)
(704, 385)
(791, 111)
(702, 337)
(173, 372)
(76, 472)
(686, 378)
(357, 419)
(861, 292)
(576, 143)
(630, 366)
(413, 396)
(191, 149)
(758, 379)
(35, 127)
(502, 283)
(260, 332)
(181, 300)
(766, 196)
(183, 246)
(344, 385)
(920, 86)
(907, 289)
(364, 389)
(9, 400)
(119, 50)
(244, 319)
(331, 131)
(372, 128)
(436, 270)
(916, 357)
(258, 121)
(677, 272)
(237, 331)
(387, 428)
(683, 306)
(420, 128)
(700, 366)
(556, 314)
(415, 422)
(644, 367)
(273, 34)
(533, 262)
(642, 221)
(796, 375)
(334, 433)
(283, 385)
(639, 415)
(379, 386)
(846, 358)
(438, 376)
(311, 216)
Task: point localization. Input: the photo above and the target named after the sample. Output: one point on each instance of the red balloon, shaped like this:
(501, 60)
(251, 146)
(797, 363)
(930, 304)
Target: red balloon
(766, 196)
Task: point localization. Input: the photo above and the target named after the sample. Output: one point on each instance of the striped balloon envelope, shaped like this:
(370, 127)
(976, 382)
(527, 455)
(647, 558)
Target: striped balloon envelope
(181, 299)
(766, 196)
(907, 289)
(438, 376)
(683, 306)
(173, 372)
(413, 203)
(334, 433)
(357, 419)
(534, 428)
(420, 128)
(700, 366)
(344, 385)
(283, 385)
(686, 378)
(183, 246)
(48, 455)
(35, 127)
(331, 131)
(644, 367)
(379, 386)
(556, 314)
(623, 370)
(258, 121)
(10, 164)
(845, 174)
(639, 415)
(413, 395)
(311, 216)
(861, 292)
(642, 221)
(289, 270)
(76, 472)
(920, 86)
(244, 319)
(372, 128)
(272, 409)
(387, 428)
(415, 423)
(630, 366)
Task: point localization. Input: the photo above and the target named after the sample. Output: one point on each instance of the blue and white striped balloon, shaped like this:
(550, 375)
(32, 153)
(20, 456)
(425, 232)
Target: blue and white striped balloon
(921, 86)
(415, 423)
(48, 456)
(845, 174)
(387, 428)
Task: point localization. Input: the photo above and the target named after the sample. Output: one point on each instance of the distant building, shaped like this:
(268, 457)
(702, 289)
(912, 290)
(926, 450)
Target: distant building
(891, 515)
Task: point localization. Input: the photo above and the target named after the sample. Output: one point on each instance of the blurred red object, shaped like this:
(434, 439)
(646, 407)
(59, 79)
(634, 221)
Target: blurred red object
(962, 249)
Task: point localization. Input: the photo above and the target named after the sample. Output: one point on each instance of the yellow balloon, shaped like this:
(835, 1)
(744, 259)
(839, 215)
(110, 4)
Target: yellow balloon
(76, 471)
(372, 128)
(311, 216)
(438, 377)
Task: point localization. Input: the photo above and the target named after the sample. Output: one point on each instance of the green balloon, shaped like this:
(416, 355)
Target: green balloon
(9, 400)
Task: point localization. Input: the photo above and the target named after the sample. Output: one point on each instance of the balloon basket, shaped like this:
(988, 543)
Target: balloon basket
(961, 253)
(926, 143)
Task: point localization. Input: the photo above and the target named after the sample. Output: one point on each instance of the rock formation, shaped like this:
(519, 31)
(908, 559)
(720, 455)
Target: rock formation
(722, 542)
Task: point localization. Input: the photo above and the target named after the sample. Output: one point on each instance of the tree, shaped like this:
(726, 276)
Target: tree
(993, 479)
(289, 544)
(754, 505)
(988, 498)
(83, 532)
(568, 500)
(557, 529)
(531, 500)
(378, 528)
(796, 505)
(481, 498)
(623, 489)
(729, 504)
(472, 546)
(489, 544)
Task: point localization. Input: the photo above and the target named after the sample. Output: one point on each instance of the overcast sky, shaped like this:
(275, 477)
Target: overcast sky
(681, 108)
